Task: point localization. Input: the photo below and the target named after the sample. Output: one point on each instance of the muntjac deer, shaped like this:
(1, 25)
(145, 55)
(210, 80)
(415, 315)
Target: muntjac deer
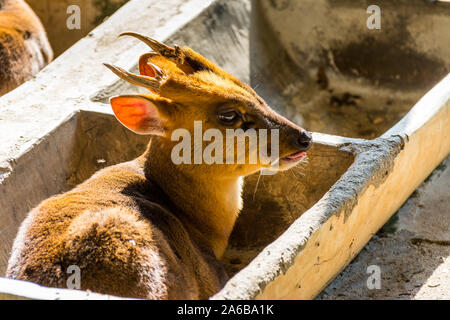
(24, 47)
(151, 228)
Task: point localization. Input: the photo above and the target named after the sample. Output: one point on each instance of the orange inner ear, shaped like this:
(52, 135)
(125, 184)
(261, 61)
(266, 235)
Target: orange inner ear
(137, 114)
(144, 68)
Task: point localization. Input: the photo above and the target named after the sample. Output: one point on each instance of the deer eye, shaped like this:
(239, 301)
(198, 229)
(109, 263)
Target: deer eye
(229, 117)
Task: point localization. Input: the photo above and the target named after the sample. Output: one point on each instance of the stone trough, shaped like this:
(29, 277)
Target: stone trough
(378, 100)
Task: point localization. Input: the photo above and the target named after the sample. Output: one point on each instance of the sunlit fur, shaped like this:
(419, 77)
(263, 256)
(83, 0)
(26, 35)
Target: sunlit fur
(24, 48)
(149, 228)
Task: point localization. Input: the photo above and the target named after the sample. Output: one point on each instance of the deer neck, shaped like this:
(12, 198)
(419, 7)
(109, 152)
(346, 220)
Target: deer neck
(208, 203)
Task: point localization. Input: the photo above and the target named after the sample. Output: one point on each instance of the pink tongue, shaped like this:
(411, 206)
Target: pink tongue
(297, 155)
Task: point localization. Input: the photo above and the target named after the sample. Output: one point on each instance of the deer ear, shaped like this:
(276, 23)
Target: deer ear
(140, 114)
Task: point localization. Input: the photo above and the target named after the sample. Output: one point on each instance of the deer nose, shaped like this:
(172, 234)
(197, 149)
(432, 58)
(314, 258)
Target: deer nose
(304, 140)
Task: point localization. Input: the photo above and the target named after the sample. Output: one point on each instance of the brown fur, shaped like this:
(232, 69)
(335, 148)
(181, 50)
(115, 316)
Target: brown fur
(24, 48)
(150, 228)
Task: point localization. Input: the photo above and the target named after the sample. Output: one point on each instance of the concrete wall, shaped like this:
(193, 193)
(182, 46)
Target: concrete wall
(53, 14)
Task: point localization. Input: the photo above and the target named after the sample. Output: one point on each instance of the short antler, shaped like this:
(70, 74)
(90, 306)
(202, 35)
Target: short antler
(174, 54)
(139, 80)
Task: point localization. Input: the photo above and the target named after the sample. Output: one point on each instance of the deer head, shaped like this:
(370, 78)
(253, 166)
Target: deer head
(184, 87)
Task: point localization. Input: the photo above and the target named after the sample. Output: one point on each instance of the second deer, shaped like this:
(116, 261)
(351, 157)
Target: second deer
(24, 47)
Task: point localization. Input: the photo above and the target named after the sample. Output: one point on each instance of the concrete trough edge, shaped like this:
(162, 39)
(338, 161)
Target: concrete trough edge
(23, 290)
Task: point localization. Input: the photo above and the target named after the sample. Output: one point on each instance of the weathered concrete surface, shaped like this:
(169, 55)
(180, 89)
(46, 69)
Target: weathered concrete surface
(331, 74)
(54, 15)
(412, 250)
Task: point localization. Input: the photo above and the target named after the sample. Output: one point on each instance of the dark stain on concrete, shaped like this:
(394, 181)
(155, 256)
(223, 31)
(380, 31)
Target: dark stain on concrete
(106, 8)
(388, 63)
(392, 60)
